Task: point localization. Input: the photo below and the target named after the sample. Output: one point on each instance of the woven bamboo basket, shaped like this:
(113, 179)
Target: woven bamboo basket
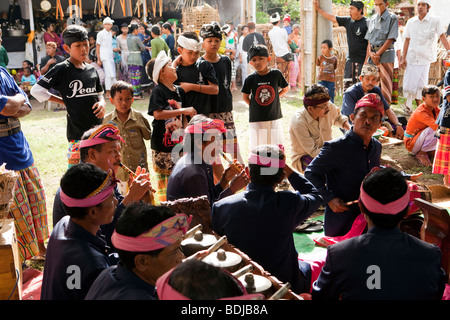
(340, 50)
(7, 182)
(195, 17)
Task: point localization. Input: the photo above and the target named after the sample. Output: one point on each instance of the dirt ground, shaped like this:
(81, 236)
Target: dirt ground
(398, 157)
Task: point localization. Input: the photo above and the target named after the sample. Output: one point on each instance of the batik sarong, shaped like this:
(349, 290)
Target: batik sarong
(135, 75)
(29, 211)
(386, 75)
(73, 153)
(441, 162)
(162, 165)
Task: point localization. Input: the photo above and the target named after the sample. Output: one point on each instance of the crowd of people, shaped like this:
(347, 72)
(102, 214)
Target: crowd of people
(110, 243)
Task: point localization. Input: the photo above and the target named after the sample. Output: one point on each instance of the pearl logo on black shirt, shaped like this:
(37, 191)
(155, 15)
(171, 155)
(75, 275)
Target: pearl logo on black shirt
(78, 91)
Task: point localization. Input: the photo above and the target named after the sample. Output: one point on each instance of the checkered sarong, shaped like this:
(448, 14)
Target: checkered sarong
(29, 212)
(442, 158)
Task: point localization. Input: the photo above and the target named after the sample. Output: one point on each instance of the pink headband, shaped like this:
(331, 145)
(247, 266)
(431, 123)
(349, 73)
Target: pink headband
(389, 208)
(107, 130)
(98, 196)
(167, 292)
(205, 126)
(160, 236)
(266, 161)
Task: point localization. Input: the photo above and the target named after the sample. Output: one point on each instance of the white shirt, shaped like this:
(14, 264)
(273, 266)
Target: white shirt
(423, 35)
(308, 135)
(279, 38)
(104, 39)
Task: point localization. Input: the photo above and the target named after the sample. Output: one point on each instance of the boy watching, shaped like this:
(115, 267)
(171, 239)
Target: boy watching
(420, 131)
(79, 85)
(133, 126)
(222, 104)
(167, 105)
(262, 91)
(197, 77)
(327, 63)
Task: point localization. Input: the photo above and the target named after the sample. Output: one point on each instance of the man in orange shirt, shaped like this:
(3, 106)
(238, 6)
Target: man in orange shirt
(421, 128)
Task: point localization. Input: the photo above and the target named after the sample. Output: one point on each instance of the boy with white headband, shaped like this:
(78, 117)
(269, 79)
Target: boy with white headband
(197, 77)
(384, 263)
(168, 103)
(272, 216)
(147, 239)
(76, 251)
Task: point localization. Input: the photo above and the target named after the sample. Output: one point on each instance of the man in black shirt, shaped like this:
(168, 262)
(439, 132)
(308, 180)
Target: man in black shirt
(51, 59)
(252, 39)
(356, 27)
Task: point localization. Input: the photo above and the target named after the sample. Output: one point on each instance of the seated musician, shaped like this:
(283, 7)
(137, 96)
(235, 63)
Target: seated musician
(197, 280)
(384, 263)
(260, 220)
(421, 128)
(312, 125)
(101, 147)
(77, 251)
(192, 175)
(147, 239)
(342, 164)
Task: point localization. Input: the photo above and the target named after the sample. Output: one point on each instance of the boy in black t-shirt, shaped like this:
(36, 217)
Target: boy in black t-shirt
(222, 104)
(168, 103)
(261, 91)
(196, 76)
(79, 85)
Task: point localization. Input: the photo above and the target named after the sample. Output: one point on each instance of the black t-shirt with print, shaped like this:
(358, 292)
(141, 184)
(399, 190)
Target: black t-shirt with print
(223, 101)
(79, 88)
(251, 39)
(202, 72)
(159, 100)
(264, 100)
(356, 31)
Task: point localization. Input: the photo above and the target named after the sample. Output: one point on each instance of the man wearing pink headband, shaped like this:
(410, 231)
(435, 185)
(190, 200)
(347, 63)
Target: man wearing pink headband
(77, 251)
(198, 280)
(147, 239)
(192, 175)
(342, 164)
(384, 263)
(101, 147)
(260, 220)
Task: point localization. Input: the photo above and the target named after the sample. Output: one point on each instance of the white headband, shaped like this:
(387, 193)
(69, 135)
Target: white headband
(161, 60)
(428, 2)
(190, 44)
